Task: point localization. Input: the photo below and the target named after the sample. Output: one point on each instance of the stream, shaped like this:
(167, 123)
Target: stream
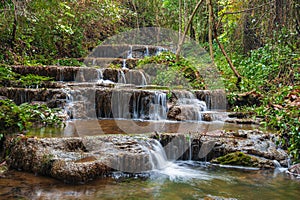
(181, 180)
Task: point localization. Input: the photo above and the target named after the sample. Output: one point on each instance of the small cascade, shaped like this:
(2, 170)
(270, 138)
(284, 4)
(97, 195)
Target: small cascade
(146, 51)
(124, 64)
(80, 103)
(99, 74)
(189, 106)
(121, 77)
(120, 104)
(137, 107)
(136, 77)
(160, 50)
(61, 74)
(144, 80)
(129, 53)
(159, 109)
(94, 62)
(157, 154)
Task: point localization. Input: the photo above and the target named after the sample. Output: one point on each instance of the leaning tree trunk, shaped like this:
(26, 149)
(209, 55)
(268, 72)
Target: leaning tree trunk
(187, 27)
(236, 73)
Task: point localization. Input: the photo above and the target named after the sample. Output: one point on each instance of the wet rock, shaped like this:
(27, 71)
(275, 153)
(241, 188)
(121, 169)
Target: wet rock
(242, 121)
(78, 160)
(240, 133)
(294, 170)
(207, 117)
(210, 197)
(242, 159)
(22, 95)
(210, 145)
(215, 99)
(239, 115)
(3, 98)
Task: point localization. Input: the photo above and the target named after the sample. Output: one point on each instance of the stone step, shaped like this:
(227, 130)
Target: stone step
(129, 63)
(54, 97)
(92, 100)
(126, 51)
(81, 74)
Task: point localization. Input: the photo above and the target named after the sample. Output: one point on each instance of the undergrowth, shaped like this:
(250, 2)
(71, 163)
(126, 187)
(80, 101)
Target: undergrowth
(273, 72)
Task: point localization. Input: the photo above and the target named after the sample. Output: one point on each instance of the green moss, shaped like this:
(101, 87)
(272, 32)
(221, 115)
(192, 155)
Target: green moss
(237, 158)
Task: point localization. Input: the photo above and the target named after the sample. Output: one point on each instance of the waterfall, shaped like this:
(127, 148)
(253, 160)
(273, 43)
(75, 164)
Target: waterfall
(157, 154)
(124, 64)
(61, 74)
(158, 109)
(129, 53)
(121, 77)
(136, 106)
(135, 77)
(120, 104)
(191, 107)
(160, 50)
(147, 51)
(144, 81)
(99, 74)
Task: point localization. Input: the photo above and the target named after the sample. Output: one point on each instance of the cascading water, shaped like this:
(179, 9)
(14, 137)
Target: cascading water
(99, 74)
(158, 110)
(129, 53)
(120, 104)
(136, 77)
(124, 64)
(147, 51)
(144, 80)
(157, 154)
(160, 50)
(121, 77)
(189, 105)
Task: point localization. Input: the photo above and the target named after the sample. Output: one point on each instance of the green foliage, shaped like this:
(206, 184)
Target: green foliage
(32, 80)
(69, 62)
(13, 117)
(50, 30)
(272, 71)
(8, 77)
(282, 112)
(6, 73)
(166, 71)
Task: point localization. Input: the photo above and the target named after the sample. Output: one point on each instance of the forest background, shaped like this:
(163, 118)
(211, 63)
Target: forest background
(255, 44)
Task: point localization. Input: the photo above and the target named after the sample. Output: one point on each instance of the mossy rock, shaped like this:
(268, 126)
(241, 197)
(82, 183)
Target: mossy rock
(237, 158)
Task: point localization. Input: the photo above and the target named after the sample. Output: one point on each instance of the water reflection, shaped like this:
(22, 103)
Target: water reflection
(113, 126)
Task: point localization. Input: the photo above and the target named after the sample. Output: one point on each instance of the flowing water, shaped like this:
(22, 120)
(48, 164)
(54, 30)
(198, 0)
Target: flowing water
(181, 180)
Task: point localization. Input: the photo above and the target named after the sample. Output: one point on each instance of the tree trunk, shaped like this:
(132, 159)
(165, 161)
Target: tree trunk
(14, 29)
(182, 39)
(210, 24)
(236, 73)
